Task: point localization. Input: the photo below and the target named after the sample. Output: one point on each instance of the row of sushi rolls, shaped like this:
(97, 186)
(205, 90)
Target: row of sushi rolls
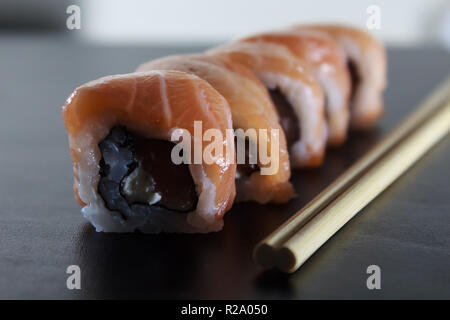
(289, 93)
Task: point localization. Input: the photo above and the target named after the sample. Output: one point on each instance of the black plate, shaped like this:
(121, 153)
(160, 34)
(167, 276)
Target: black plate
(405, 231)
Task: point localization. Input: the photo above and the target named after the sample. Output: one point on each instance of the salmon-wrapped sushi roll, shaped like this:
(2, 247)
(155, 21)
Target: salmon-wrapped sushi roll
(366, 59)
(328, 61)
(251, 108)
(295, 92)
(120, 135)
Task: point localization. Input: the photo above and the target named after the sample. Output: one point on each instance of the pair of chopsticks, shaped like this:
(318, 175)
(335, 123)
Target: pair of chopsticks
(288, 247)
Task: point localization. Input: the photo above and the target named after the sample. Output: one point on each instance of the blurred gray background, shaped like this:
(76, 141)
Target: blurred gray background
(402, 22)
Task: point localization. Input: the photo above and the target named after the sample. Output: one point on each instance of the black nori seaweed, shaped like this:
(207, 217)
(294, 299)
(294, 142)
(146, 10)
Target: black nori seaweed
(354, 77)
(288, 118)
(119, 159)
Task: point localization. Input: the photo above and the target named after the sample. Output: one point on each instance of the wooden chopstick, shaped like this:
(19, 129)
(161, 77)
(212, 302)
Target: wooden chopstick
(285, 247)
(319, 229)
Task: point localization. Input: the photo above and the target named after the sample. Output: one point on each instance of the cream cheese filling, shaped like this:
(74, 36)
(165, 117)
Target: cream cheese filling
(138, 186)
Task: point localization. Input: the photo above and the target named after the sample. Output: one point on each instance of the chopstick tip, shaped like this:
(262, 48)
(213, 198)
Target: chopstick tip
(264, 255)
(287, 260)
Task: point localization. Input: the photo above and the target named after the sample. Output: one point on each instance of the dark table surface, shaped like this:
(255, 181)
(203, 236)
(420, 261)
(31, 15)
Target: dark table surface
(405, 231)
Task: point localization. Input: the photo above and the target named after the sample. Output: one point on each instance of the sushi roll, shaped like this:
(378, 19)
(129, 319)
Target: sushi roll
(366, 61)
(251, 108)
(120, 135)
(327, 60)
(296, 94)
